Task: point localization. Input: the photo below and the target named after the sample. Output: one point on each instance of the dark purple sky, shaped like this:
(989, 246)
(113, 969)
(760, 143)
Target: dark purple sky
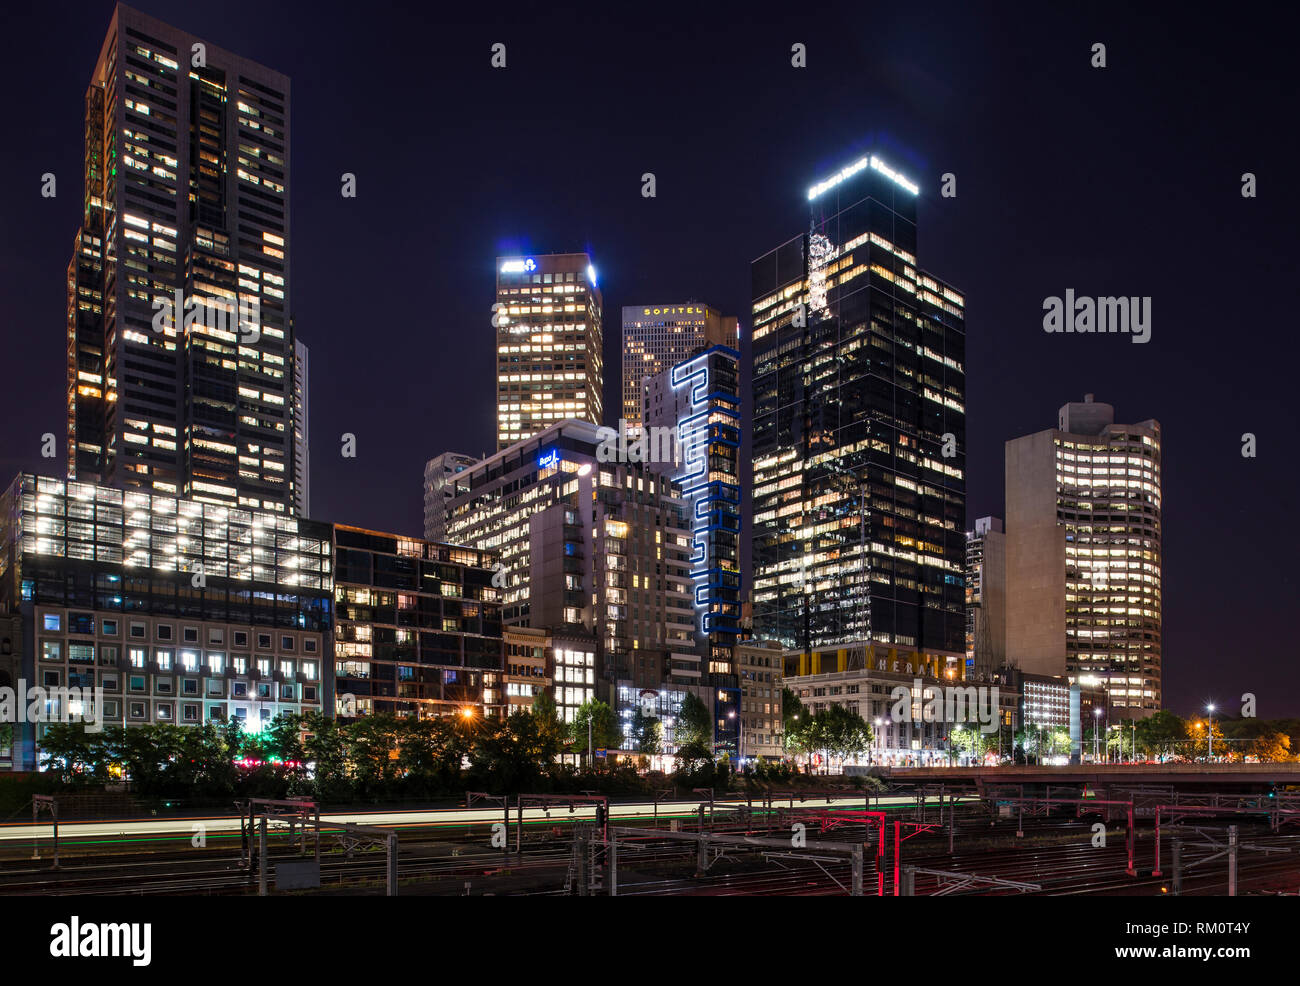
(1118, 181)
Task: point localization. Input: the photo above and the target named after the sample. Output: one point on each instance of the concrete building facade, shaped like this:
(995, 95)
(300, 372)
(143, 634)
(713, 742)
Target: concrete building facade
(656, 337)
(1084, 558)
(548, 321)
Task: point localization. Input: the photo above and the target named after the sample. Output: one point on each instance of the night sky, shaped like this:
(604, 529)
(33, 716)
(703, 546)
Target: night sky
(1117, 181)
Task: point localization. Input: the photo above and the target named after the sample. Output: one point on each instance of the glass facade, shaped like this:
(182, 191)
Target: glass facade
(859, 390)
(549, 358)
(418, 627)
(657, 337)
(180, 356)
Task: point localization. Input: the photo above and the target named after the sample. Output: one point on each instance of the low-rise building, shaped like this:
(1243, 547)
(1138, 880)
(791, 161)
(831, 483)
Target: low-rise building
(758, 667)
(171, 610)
(418, 627)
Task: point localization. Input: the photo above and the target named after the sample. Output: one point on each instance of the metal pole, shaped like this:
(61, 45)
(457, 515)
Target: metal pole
(898, 845)
(318, 833)
(1131, 871)
(1232, 861)
(909, 881)
(505, 843)
(1178, 865)
(856, 890)
(54, 810)
(392, 864)
(952, 823)
(519, 828)
(36, 845)
(880, 861)
(580, 848)
(261, 856)
(613, 864)
(701, 856)
(1156, 871)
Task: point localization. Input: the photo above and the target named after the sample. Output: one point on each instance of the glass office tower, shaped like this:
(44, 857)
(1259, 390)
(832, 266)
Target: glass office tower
(547, 317)
(858, 391)
(180, 355)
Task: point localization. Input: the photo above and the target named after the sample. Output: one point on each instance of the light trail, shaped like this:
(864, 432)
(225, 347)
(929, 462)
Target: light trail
(213, 824)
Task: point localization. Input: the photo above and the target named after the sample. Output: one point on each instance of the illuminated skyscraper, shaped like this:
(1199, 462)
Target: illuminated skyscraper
(301, 432)
(986, 598)
(656, 337)
(548, 322)
(440, 488)
(859, 392)
(698, 401)
(1083, 550)
(186, 200)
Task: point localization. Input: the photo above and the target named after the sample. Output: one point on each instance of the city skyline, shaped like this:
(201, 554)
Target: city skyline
(363, 389)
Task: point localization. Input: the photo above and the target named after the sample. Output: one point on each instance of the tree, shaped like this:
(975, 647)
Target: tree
(282, 739)
(693, 734)
(1272, 747)
(647, 733)
(971, 740)
(511, 753)
(550, 726)
(792, 711)
(66, 751)
(694, 724)
(325, 749)
(1160, 733)
(1198, 735)
(430, 751)
(604, 730)
(372, 743)
(842, 732)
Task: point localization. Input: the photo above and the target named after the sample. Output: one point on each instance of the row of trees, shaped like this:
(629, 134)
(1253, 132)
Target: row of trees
(836, 733)
(377, 756)
(841, 734)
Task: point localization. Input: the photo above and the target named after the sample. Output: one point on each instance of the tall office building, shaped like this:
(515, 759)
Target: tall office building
(1084, 554)
(986, 598)
(440, 488)
(180, 346)
(594, 549)
(859, 391)
(301, 433)
(657, 337)
(549, 358)
(698, 401)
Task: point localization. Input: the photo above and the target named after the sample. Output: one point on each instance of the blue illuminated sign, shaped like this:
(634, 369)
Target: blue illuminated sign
(548, 459)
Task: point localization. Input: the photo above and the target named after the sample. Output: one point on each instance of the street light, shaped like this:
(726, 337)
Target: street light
(1209, 730)
(1096, 724)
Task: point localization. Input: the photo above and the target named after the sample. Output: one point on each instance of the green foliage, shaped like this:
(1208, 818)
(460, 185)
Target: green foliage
(1272, 747)
(647, 733)
(605, 733)
(1159, 735)
(694, 727)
